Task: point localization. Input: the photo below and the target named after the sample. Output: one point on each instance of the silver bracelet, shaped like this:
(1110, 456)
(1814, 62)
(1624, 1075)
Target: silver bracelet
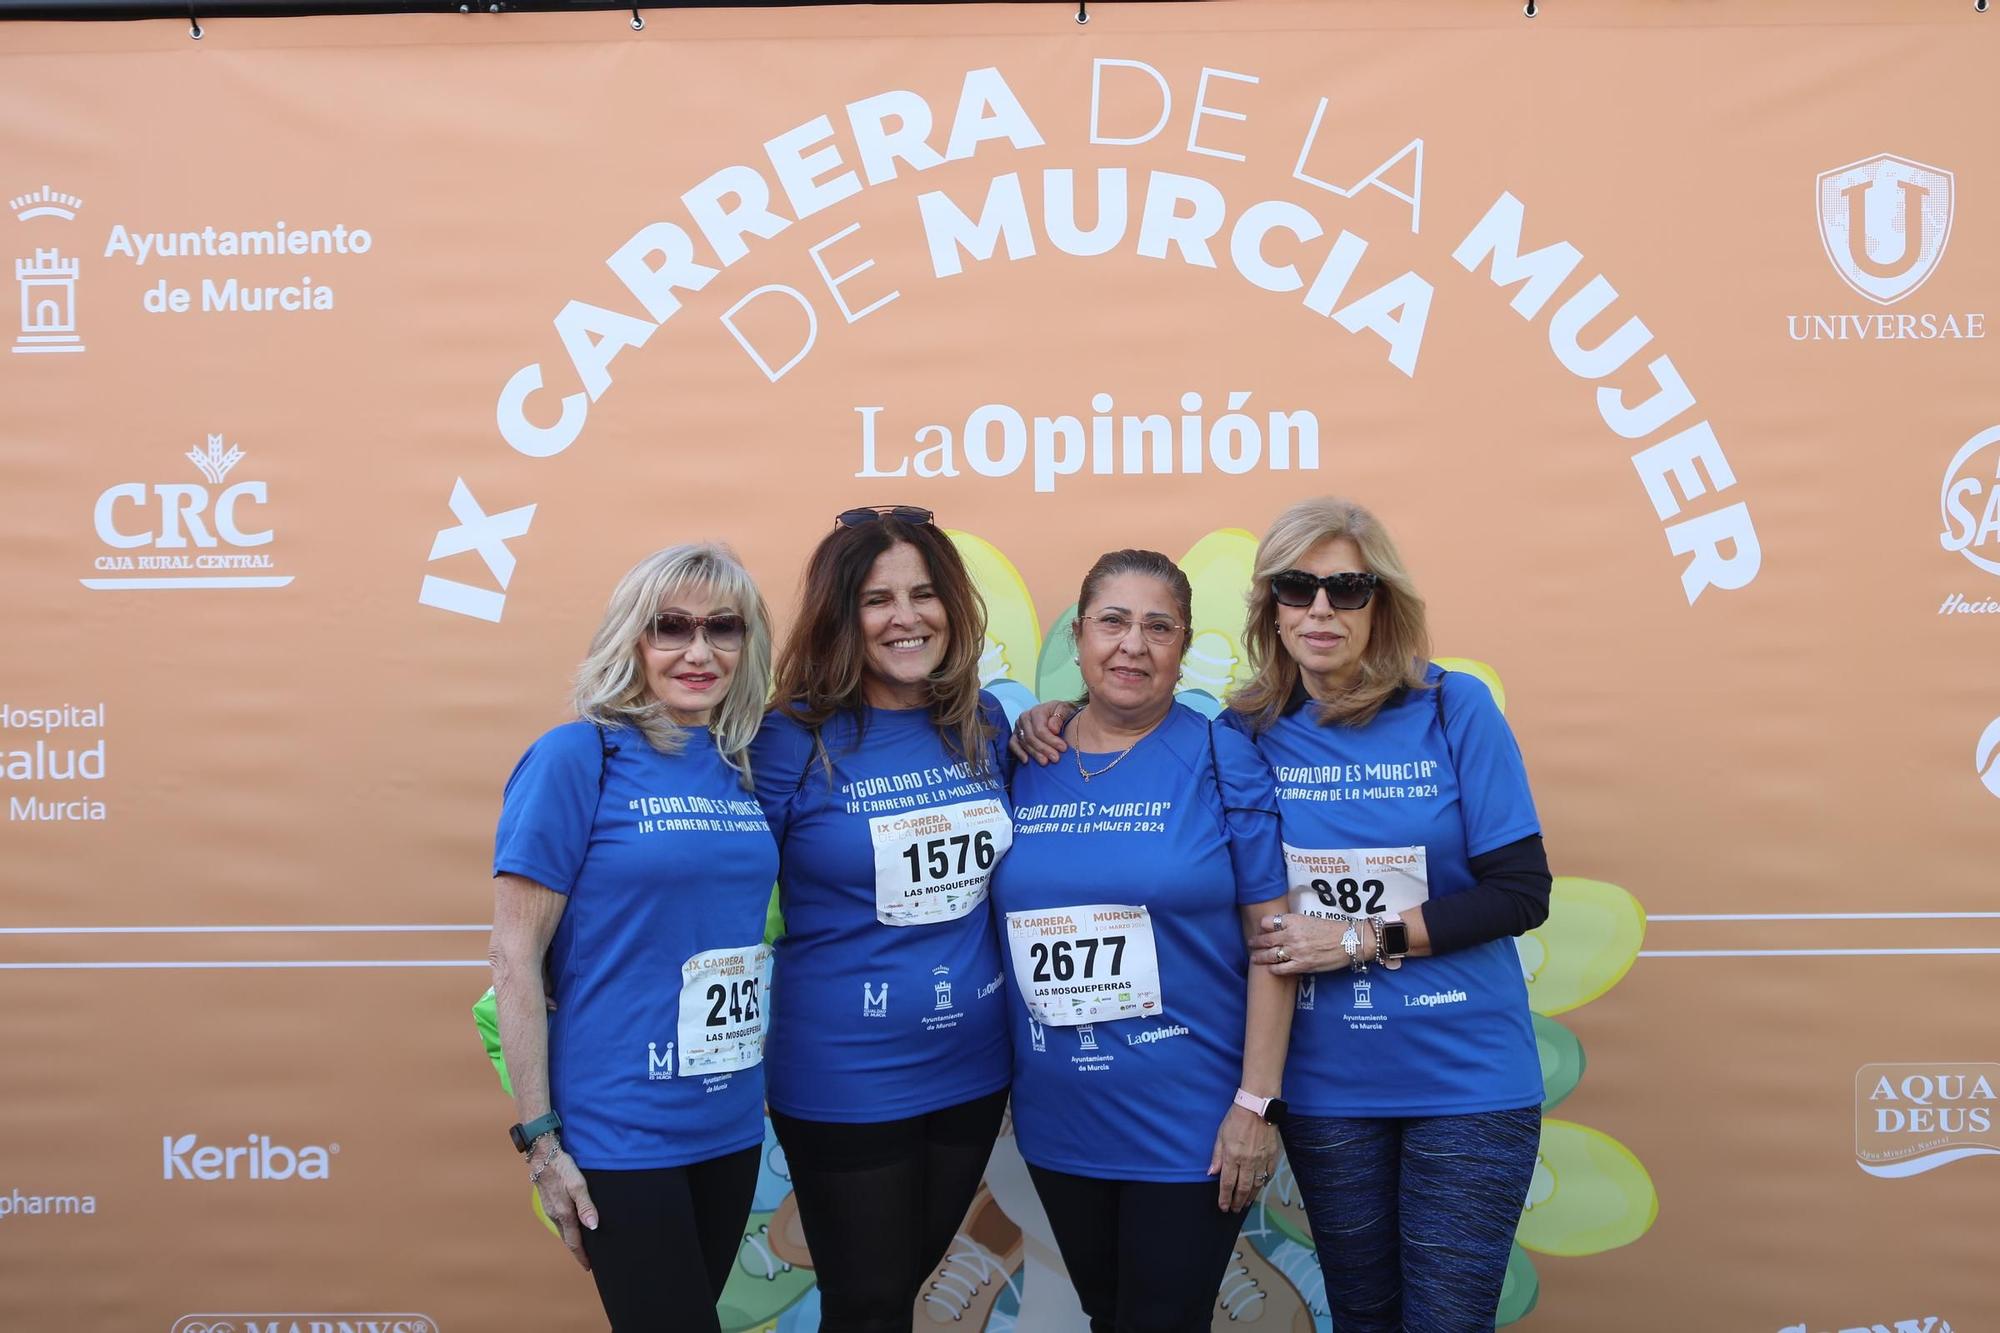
(1350, 941)
(1375, 927)
(555, 1146)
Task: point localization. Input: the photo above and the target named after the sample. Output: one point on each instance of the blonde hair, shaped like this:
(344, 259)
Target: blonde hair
(1398, 650)
(610, 688)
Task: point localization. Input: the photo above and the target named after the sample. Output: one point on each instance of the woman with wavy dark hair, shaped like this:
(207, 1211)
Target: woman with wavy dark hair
(882, 770)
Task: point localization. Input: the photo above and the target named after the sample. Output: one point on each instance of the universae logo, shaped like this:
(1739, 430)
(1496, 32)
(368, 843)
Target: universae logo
(1885, 221)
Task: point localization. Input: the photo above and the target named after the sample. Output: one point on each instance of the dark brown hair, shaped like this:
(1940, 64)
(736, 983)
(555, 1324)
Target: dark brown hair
(824, 661)
(1134, 561)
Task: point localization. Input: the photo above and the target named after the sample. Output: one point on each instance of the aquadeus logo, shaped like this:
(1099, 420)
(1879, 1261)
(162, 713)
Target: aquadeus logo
(256, 1158)
(182, 535)
(305, 1323)
(1885, 221)
(1913, 1118)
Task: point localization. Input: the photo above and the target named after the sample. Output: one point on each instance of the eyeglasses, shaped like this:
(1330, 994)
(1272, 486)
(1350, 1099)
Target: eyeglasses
(1344, 592)
(672, 630)
(854, 518)
(1113, 626)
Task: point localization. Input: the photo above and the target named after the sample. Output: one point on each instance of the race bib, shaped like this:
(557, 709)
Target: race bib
(932, 865)
(1091, 964)
(724, 999)
(1359, 881)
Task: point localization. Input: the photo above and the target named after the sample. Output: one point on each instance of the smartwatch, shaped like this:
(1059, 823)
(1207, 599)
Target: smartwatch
(1271, 1110)
(524, 1136)
(1395, 941)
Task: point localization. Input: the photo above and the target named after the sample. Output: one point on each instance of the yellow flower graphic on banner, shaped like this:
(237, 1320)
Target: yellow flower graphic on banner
(1589, 1193)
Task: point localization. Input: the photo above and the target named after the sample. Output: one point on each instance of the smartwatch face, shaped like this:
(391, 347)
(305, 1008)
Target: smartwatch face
(1395, 939)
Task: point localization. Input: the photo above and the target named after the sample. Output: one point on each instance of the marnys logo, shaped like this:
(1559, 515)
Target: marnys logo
(1884, 222)
(1969, 505)
(256, 1158)
(190, 554)
(1929, 1323)
(305, 1323)
(1913, 1118)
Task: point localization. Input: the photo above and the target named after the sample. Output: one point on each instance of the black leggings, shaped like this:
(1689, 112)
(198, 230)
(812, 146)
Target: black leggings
(665, 1240)
(1145, 1257)
(880, 1203)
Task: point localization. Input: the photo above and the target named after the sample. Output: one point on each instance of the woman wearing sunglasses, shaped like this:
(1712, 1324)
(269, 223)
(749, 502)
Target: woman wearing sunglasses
(883, 772)
(1414, 855)
(633, 863)
(1147, 1049)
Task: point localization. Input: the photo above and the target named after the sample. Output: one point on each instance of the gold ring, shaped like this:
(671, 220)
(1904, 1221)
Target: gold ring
(1283, 957)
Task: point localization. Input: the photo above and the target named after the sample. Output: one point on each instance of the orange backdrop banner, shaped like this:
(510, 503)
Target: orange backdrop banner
(355, 358)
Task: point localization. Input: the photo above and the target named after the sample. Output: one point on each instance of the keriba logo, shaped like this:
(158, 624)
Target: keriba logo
(256, 1158)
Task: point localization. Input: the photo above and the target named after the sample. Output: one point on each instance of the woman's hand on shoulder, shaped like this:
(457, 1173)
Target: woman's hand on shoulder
(1038, 735)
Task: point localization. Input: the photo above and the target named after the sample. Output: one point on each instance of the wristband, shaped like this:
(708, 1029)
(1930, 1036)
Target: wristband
(524, 1136)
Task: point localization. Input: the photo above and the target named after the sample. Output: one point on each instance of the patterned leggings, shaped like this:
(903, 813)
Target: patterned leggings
(1414, 1218)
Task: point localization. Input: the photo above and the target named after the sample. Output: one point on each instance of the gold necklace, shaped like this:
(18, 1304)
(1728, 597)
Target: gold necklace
(1077, 751)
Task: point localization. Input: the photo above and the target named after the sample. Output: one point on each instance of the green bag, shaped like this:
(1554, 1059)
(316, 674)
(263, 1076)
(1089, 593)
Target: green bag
(486, 1017)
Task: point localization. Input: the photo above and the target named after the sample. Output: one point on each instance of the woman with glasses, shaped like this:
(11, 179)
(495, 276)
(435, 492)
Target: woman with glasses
(1147, 1049)
(633, 864)
(883, 771)
(1414, 855)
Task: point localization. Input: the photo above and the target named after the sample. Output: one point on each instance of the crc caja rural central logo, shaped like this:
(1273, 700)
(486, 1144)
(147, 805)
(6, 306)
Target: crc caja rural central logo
(179, 535)
(1885, 221)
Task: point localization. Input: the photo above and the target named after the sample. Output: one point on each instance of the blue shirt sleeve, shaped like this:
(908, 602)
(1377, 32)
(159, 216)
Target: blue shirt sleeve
(1250, 813)
(1001, 757)
(1492, 779)
(549, 806)
(778, 760)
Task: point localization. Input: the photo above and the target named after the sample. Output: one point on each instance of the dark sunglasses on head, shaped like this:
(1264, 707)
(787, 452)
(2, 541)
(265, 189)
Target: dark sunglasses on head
(854, 518)
(670, 630)
(1344, 592)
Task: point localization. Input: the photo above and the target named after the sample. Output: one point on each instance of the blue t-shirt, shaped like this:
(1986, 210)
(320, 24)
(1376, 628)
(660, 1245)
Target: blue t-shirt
(668, 870)
(880, 1021)
(1186, 827)
(1435, 778)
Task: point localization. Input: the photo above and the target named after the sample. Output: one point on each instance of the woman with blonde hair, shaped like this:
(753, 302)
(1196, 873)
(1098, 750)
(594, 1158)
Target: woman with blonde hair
(883, 772)
(1414, 855)
(632, 858)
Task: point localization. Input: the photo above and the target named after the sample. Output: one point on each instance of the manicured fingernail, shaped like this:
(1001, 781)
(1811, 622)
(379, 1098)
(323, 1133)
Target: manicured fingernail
(590, 1220)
